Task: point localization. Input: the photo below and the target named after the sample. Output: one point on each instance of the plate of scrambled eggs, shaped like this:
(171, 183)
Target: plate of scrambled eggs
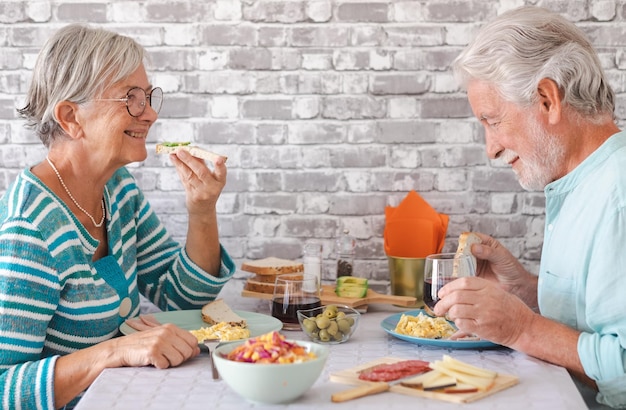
(416, 327)
(258, 323)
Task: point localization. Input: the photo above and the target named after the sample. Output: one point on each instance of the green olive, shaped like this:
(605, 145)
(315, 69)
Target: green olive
(322, 322)
(331, 311)
(341, 315)
(350, 320)
(338, 336)
(324, 336)
(344, 325)
(333, 328)
(309, 325)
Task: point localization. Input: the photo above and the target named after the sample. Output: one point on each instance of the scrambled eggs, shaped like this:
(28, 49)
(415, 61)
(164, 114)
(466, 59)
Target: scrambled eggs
(424, 326)
(223, 331)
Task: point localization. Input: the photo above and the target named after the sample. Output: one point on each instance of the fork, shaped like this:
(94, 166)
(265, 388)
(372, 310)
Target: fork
(211, 344)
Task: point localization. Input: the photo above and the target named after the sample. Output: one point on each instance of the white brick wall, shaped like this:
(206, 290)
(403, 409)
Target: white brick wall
(328, 110)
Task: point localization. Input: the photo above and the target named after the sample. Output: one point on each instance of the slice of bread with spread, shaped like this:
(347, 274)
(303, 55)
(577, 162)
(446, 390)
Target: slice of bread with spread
(173, 147)
(218, 311)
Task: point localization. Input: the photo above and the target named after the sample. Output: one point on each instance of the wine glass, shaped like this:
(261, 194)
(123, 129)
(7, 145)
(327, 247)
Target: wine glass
(293, 292)
(442, 268)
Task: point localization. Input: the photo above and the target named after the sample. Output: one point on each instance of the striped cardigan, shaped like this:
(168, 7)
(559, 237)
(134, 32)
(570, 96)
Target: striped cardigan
(55, 300)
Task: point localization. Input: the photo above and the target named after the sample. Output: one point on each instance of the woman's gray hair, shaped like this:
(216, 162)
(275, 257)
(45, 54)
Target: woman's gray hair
(76, 64)
(525, 45)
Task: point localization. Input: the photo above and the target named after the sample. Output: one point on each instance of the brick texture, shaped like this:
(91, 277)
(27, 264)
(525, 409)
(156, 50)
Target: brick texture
(328, 110)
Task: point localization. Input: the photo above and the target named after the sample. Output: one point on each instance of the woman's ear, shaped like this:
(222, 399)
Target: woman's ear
(550, 100)
(66, 115)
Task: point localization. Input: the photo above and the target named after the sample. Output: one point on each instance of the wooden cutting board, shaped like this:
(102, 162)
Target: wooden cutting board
(351, 376)
(330, 297)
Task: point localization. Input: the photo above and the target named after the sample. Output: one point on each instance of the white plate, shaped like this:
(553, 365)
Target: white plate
(258, 323)
(389, 326)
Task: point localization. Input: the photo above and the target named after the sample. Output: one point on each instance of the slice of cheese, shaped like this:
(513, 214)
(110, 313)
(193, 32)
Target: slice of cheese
(481, 382)
(463, 367)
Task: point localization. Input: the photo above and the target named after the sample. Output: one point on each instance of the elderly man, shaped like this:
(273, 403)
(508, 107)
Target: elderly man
(537, 86)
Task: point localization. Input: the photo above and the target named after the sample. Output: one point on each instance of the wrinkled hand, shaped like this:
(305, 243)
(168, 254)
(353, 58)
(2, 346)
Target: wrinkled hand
(160, 346)
(203, 186)
(480, 307)
(143, 322)
(497, 264)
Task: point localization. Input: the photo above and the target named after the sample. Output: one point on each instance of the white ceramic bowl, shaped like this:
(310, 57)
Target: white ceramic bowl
(270, 383)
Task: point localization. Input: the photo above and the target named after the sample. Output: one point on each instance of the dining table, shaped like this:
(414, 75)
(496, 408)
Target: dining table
(191, 386)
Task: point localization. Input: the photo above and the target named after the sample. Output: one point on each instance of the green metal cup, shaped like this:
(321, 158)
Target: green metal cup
(407, 278)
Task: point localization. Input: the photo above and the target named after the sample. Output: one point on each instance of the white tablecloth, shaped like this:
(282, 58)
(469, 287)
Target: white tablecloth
(190, 386)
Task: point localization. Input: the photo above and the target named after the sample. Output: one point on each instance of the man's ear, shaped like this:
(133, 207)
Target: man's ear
(549, 97)
(66, 115)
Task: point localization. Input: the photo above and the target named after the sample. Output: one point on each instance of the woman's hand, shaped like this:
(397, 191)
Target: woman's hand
(162, 347)
(203, 186)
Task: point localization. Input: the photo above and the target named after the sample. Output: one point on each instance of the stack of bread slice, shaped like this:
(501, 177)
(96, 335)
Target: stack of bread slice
(265, 272)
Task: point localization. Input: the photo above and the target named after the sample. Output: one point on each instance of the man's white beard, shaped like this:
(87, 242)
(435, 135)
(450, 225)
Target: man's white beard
(542, 166)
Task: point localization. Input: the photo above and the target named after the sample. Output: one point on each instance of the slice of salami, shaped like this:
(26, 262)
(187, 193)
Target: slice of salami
(394, 371)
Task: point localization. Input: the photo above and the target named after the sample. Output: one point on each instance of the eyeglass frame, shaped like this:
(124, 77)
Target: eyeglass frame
(147, 96)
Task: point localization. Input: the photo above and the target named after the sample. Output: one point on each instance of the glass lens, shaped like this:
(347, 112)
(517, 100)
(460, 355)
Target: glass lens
(156, 99)
(136, 101)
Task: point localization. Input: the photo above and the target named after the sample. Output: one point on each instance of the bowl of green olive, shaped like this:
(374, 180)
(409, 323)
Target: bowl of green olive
(331, 324)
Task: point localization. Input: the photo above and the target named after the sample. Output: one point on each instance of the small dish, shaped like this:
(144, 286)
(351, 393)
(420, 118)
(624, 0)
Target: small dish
(331, 324)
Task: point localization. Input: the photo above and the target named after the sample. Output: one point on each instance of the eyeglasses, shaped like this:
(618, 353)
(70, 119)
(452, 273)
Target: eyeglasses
(136, 100)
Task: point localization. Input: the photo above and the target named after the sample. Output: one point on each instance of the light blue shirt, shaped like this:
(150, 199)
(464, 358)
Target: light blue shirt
(582, 278)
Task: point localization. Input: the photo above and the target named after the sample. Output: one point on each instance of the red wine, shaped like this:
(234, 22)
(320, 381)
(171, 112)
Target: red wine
(287, 313)
(428, 297)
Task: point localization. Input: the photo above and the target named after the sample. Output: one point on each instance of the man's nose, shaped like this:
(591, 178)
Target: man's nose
(494, 149)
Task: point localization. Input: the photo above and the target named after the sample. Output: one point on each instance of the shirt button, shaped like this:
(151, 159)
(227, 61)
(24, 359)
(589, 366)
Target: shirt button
(125, 306)
(550, 227)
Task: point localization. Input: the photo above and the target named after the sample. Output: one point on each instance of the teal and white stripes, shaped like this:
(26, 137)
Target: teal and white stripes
(54, 300)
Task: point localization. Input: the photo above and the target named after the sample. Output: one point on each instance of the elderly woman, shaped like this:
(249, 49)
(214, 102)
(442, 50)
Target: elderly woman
(536, 84)
(79, 241)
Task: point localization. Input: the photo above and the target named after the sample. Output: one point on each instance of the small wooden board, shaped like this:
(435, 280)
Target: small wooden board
(351, 376)
(330, 297)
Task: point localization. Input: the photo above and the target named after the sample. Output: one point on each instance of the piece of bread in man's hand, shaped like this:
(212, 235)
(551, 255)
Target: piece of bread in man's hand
(173, 147)
(466, 240)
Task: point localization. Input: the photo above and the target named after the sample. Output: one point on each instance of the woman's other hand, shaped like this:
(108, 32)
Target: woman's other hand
(162, 347)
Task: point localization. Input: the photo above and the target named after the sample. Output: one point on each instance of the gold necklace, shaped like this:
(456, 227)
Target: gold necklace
(97, 225)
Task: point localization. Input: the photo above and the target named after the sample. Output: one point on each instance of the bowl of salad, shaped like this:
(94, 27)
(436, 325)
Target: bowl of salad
(270, 369)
